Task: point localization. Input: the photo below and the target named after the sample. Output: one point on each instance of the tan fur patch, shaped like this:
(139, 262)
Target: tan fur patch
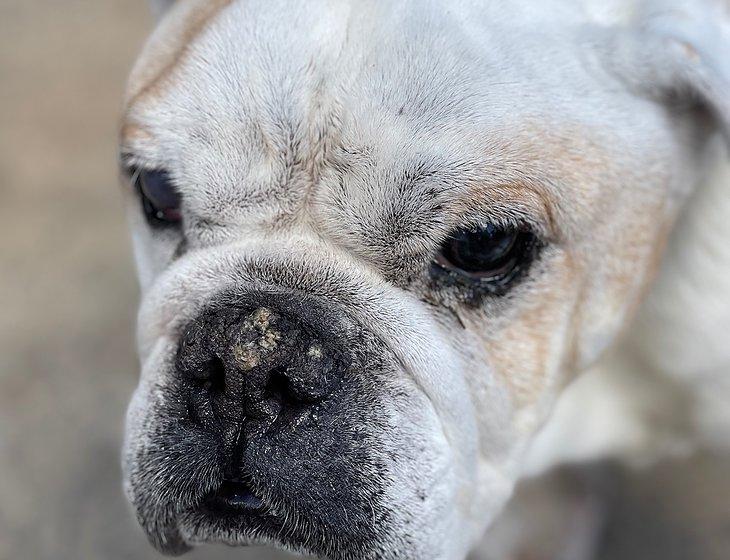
(528, 348)
(619, 272)
(530, 198)
(613, 233)
(169, 45)
(130, 131)
(558, 174)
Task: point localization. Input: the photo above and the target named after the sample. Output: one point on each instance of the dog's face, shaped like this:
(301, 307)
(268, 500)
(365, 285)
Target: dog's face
(374, 242)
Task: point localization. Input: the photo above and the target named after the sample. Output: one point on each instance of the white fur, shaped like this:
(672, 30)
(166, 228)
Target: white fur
(288, 128)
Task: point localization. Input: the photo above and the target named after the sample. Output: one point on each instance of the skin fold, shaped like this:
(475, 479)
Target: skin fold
(323, 152)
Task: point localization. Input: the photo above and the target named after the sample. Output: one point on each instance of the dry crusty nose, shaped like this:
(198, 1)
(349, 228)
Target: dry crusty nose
(254, 365)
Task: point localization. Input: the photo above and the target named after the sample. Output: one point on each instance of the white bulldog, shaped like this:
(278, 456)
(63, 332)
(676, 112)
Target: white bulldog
(376, 241)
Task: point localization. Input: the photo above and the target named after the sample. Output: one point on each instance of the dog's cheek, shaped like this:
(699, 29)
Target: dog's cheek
(167, 465)
(572, 310)
(616, 272)
(430, 490)
(531, 348)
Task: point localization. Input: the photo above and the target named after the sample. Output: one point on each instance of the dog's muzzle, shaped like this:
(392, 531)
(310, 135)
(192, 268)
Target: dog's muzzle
(252, 374)
(277, 416)
(269, 425)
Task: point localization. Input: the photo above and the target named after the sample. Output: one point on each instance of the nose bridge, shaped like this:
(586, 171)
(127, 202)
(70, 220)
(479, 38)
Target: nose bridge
(284, 202)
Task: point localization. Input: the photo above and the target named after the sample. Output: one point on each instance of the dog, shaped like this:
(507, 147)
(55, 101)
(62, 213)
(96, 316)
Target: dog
(379, 242)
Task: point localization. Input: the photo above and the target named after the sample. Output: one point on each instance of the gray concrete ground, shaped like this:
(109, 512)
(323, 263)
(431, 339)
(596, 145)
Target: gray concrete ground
(68, 296)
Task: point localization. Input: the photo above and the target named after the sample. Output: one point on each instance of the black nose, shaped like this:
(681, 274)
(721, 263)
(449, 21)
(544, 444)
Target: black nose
(261, 366)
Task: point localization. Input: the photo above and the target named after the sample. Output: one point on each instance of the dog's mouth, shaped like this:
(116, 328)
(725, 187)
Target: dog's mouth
(236, 513)
(234, 496)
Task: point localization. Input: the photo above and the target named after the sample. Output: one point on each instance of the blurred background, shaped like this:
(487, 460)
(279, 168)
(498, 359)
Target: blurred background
(68, 294)
(67, 304)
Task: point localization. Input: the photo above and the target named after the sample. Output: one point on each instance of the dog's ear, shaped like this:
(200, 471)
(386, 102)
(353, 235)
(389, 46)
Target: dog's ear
(678, 52)
(159, 7)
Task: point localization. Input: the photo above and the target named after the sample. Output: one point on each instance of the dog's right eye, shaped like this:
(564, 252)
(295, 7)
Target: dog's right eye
(490, 258)
(160, 200)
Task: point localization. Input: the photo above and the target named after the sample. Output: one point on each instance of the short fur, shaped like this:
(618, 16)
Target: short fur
(328, 148)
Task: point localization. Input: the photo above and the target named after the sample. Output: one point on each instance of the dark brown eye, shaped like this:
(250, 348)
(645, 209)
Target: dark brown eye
(491, 254)
(160, 201)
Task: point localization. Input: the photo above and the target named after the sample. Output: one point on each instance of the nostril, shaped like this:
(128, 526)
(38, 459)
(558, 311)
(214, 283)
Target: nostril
(216, 381)
(277, 387)
(212, 376)
(293, 388)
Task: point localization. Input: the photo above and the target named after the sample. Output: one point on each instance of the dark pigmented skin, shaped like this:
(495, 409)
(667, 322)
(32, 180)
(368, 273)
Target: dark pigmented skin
(285, 393)
(256, 367)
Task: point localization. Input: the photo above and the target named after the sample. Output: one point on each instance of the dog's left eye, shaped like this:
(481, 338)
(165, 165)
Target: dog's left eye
(490, 255)
(160, 200)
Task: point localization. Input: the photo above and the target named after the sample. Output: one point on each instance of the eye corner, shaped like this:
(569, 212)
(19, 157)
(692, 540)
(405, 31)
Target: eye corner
(129, 163)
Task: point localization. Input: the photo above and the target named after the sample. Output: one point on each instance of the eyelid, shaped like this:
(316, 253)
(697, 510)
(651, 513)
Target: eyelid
(520, 223)
(129, 160)
(527, 203)
(132, 164)
(134, 173)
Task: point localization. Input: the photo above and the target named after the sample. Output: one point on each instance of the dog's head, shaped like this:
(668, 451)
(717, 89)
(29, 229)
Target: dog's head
(375, 240)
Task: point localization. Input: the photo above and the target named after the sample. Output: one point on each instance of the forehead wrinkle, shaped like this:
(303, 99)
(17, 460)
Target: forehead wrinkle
(169, 46)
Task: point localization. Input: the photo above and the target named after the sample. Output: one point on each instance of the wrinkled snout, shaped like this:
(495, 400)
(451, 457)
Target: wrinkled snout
(254, 373)
(255, 366)
(272, 413)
